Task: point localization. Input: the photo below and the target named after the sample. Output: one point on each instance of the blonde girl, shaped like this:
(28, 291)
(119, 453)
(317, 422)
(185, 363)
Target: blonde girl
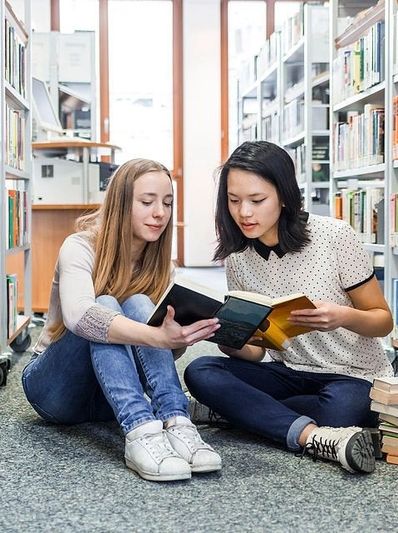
(96, 359)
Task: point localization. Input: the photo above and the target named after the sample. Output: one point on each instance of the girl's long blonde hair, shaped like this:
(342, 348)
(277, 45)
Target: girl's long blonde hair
(111, 235)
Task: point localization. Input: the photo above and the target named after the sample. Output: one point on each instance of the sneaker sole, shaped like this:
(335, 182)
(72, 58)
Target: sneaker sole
(360, 454)
(201, 469)
(157, 477)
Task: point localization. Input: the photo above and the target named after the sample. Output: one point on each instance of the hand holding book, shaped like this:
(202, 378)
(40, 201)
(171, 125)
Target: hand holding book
(324, 316)
(242, 315)
(181, 337)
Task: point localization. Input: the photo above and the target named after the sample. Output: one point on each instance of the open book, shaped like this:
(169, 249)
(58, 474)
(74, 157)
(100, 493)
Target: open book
(242, 314)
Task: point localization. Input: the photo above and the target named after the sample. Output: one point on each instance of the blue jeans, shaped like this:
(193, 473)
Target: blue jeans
(275, 401)
(75, 380)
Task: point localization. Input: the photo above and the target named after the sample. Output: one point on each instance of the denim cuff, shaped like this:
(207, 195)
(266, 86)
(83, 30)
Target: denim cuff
(295, 431)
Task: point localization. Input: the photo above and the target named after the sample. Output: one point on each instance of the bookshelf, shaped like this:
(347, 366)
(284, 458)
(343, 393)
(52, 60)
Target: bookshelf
(392, 150)
(15, 174)
(283, 97)
(53, 221)
(363, 169)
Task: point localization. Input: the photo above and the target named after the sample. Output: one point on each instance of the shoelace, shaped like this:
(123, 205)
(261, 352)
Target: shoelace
(321, 447)
(158, 445)
(214, 417)
(201, 414)
(190, 435)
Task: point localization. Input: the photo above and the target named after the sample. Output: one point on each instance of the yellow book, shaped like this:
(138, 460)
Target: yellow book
(242, 315)
(276, 331)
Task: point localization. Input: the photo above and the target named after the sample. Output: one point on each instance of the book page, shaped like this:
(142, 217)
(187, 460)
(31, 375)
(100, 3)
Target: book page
(265, 300)
(252, 297)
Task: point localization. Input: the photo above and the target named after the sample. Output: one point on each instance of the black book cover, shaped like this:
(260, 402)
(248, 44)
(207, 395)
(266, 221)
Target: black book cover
(239, 318)
(189, 305)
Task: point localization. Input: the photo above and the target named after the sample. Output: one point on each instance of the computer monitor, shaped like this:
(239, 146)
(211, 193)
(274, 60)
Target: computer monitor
(43, 110)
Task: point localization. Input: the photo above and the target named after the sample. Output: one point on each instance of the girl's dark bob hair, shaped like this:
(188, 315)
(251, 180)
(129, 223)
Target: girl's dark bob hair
(274, 164)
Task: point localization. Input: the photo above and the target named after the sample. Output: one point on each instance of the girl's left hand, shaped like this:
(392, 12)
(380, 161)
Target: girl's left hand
(326, 317)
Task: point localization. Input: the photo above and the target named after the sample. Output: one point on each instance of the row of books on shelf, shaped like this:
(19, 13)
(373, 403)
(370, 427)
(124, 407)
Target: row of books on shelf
(359, 141)
(395, 127)
(15, 138)
(267, 55)
(270, 128)
(16, 218)
(360, 65)
(320, 159)
(292, 30)
(384, 396)
(363, 209)
(252, 69)
(12, 303)
(394, 219)
(298, 154)
(394, 307)
(15, 59)
(293, 118)
(293, 89)
(249, 134)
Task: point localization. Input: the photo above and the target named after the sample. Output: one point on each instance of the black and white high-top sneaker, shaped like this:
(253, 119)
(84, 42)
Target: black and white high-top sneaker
(352, 447)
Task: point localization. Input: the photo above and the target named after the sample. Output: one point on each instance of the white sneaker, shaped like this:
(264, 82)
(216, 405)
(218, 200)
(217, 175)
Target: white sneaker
(149, 453)
(187, 442)
(352, 447)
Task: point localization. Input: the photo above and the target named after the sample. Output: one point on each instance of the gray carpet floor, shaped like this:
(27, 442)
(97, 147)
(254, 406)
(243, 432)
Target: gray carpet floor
(73, 479)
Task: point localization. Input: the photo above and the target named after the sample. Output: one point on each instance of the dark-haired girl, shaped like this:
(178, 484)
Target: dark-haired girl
(315, 394)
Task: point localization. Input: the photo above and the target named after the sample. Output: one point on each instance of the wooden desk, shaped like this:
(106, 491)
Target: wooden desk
(51, 224)
(73, 143)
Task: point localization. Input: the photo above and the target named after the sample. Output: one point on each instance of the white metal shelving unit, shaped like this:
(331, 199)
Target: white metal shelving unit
(366, 176)
(382, 174)
(392, 57)
(18, 178)
(290, 79)
(310, 52)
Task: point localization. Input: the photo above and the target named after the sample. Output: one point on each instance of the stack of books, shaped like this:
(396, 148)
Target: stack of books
(384, 395)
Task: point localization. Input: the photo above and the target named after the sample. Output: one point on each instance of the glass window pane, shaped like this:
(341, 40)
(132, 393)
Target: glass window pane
(140, 79)
(78, 15)
(246, 34)
(78, 70)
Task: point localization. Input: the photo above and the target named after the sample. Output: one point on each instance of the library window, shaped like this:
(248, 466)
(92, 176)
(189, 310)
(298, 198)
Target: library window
(78, 67)
(140, 79)
(78, 15)
(246, 33)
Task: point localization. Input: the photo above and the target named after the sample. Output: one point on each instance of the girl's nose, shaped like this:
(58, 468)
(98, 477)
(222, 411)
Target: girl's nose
(245, 210)
(159, 211)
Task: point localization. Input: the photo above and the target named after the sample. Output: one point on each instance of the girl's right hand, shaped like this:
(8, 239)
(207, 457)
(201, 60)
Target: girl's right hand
(177, 336)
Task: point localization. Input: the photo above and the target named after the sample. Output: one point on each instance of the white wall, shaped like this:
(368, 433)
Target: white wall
(202, 116)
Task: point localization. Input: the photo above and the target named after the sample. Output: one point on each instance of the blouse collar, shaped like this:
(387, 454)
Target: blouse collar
(264, 250)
